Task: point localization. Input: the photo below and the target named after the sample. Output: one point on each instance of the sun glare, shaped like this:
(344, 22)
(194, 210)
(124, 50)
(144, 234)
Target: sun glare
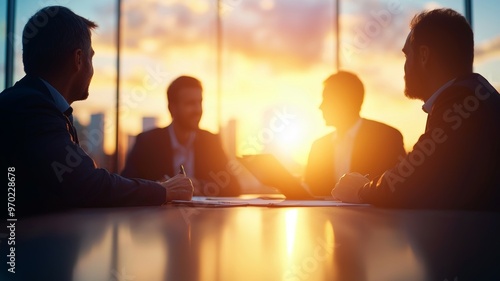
(292, 136)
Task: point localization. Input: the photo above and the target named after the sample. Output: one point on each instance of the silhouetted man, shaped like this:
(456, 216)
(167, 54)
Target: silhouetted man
(39, 145)
(456, 162)
(157, 153)
(357, 144)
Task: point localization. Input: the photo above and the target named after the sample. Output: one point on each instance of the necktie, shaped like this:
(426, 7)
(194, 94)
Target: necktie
(69, 115)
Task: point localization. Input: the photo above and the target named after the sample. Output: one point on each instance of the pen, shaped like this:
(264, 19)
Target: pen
(182, 170)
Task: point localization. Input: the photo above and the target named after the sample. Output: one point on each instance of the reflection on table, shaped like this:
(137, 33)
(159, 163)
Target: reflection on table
(258, 243)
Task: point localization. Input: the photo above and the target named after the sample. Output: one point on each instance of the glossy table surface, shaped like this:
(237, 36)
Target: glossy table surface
(257, 243)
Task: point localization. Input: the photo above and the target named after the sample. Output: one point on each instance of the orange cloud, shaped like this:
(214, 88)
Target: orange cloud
(487, 50)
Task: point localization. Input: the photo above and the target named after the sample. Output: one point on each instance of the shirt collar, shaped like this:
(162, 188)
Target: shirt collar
(354, 129)
(427, 107)
(60, 101)
(352, 132)
(175, 142)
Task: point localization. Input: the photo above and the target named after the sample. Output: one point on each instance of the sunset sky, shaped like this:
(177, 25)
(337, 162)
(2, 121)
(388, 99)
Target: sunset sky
(275, 53)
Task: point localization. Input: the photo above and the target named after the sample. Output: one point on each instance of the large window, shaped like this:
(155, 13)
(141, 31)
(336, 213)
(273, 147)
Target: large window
(486, 23)
(3, 40)
(262, 64)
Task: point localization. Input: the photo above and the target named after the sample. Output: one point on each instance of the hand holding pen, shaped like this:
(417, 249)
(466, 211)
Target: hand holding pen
(179, 187)
(182, 171)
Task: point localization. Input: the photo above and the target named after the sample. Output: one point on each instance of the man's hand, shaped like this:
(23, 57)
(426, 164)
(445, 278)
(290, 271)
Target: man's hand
(179, 187)
(348, 186)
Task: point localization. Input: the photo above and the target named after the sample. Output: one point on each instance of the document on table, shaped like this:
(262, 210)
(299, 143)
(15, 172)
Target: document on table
(199, 201)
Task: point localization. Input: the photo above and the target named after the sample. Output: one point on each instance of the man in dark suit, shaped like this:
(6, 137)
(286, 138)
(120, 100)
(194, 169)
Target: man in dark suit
(157, 153)
(358, 144)
(48, 170)
(456, 162)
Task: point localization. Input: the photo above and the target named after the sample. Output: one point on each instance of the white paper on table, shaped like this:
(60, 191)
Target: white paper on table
(199, 201)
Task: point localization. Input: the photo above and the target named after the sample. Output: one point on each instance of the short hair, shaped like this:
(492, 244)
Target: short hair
(50, 36)
(448, 34)
(180, 83)
(349, 86)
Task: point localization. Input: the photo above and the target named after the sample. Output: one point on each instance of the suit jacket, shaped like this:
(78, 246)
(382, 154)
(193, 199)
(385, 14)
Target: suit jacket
(152, 158)
(376, 148)
(456, 162)
(51, 170)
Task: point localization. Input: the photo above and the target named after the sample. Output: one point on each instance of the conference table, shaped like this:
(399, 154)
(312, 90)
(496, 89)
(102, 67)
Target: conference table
(264, 242)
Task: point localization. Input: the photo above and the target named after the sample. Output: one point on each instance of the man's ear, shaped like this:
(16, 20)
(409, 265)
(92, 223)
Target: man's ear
(77, 59)
(424, 56)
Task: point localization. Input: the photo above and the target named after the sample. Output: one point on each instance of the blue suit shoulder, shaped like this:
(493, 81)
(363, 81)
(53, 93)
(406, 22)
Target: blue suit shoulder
(25, 93)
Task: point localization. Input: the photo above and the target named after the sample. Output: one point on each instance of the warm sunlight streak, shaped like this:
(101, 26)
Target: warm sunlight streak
(329, 234)
(141, 252)
(401, 253)
(96, 256)
(291, 229)
(208, 248)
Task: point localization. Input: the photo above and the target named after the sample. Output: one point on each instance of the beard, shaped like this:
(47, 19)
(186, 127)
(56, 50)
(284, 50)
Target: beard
(191, 122)
(414, 85)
